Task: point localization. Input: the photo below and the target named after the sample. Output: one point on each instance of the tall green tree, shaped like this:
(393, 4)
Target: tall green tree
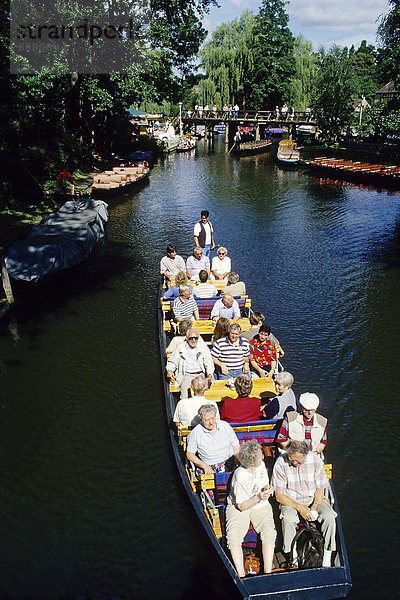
(302, 82)
(228, 59)
(389, 34)
(272, 49)
(335, 85)
(365, 67)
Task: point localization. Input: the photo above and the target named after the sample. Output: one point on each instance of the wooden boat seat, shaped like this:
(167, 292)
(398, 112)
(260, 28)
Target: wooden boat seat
(205, 305)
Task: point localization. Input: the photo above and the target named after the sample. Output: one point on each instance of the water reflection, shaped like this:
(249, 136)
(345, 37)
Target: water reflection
(92, 505)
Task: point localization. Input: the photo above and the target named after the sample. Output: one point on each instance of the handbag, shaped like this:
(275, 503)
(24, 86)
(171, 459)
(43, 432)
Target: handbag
(251, 564)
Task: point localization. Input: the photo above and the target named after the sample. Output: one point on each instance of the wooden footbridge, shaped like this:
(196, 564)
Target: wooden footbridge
(259, 120)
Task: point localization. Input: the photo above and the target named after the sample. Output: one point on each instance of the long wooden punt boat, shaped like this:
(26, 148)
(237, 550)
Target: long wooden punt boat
(377, 174)
(253, 147)
(310, 584)
(119, 179)
(287, 153)
(186, 143)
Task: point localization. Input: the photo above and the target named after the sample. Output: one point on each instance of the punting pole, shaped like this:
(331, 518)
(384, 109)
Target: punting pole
(6, 281)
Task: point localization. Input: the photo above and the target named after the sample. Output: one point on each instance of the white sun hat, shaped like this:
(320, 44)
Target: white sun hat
(309, 401)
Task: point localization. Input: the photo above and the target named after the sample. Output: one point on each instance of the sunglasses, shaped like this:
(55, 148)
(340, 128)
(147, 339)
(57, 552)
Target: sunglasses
(193, 338)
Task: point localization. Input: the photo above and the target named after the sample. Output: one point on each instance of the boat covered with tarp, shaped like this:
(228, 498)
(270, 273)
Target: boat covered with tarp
(65, 239)
(208, 492)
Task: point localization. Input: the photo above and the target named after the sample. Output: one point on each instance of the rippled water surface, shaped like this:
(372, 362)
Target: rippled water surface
(91, 504)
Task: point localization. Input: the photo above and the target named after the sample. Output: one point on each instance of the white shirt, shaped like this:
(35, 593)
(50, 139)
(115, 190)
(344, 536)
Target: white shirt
(246, 484)
(205, 290)
(187, 409)
(221, 266)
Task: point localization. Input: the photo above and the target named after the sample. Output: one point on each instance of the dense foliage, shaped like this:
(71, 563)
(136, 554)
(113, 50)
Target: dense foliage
(273, 42)
(335, 85)
(303, 80)
(228, 58)
(60, 116)
(389, 33)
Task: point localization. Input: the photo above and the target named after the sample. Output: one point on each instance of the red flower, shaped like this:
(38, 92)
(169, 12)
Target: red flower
(65, 175)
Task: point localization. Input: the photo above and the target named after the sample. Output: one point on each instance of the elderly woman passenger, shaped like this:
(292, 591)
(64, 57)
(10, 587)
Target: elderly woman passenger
(173, 291)
(248, 503)
(244, 408)
(307, 426)
(212, 443)
(221, 264)
(286, 400)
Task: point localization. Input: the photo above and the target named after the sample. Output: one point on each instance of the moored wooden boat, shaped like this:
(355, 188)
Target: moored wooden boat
(318, 583)
(65, 239)
(376, 174)
(288, 153)
(253, 147)
(119, 179)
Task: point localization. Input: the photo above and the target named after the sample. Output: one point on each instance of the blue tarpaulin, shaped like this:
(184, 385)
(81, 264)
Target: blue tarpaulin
(65, 239)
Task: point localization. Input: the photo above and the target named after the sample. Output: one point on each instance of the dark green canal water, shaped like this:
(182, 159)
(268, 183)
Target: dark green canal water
(91, 504)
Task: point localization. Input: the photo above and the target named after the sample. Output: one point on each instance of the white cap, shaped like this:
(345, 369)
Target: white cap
(309, 401)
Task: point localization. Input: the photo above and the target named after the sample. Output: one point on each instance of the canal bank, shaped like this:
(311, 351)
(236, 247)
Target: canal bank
(91, 502)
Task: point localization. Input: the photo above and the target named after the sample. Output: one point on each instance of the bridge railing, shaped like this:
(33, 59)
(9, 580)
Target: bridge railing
(247, 115)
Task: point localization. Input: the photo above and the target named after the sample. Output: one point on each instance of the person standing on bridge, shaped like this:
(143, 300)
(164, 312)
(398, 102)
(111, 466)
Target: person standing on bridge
(203, 234)
(235, 111)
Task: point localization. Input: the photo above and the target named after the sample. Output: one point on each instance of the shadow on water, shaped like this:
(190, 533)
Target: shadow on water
(93, 507)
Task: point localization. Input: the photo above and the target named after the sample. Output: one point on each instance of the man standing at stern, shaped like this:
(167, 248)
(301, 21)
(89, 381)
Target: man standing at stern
(203, 233)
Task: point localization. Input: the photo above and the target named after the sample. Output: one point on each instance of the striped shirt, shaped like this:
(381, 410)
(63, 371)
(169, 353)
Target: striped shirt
(205, 290)
(299, 482)
(231, 355)
(184, 310)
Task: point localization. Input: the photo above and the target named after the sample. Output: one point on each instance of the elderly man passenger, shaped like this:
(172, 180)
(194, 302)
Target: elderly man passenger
(188, 360)
(183, 327)
(221, 264)
(212, 445)
(307, 426)
(171, 264)
(231, 354)
(234, 286)
(247, 503)
(226, 307)
(299, 482)
(185, 307)
(186, 412)
(285, 401)
(196, 263)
